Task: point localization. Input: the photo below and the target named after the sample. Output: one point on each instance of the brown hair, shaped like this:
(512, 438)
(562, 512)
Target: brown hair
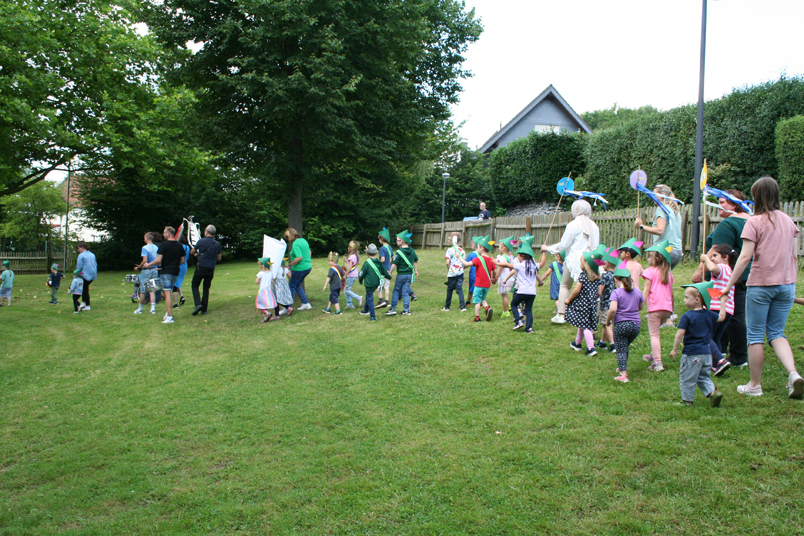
(727, 252)
(739, 195)
(149, 236)
(765, 192)
(291, 234)
(628, 283)
(664, 267)
(82, 245)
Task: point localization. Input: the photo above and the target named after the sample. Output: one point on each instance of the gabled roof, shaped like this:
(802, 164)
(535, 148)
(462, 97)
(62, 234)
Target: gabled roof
(550, 91)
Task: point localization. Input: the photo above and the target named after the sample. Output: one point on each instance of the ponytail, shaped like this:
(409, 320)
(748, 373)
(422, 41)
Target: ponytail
(628, 283)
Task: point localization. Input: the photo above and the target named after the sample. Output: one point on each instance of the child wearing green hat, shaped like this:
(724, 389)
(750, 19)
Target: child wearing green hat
(504, 263)
(582, 304)
(265, 301)
(484, 268)
(77, 289)
(54, 282)
(629, 252)
(527, 274)
(696, 328)
(610, 259)
(7, 278)
(455, 271)
(405, 262)
(625, 303)
(555, 272)
(385, 253)
(658, 294)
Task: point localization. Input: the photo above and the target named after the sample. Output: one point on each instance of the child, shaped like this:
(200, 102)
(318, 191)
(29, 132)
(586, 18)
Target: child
(527, 274)
(469, 258)
(696, 328)
(555, 272)
(503, 270)
(485, 267)
(629, 252)
(8, 283)
(54, 282)
(386, 253)
(658, 294)
(282, 292)
(582, 304)
(720, 265)
(625, 304)
(405, 261)
(77, 290)
(265, 301)
(372, 275)
(352, 262)
(334, 280)
(455, 272)
(610, 259)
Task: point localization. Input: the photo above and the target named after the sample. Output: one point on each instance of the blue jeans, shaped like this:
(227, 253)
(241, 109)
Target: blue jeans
(368, 306)
(349, 294)
(401, 286)
(766, 310)
(296, 279)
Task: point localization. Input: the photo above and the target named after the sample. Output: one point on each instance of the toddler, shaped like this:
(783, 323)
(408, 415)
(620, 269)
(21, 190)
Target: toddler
(77, 290)
(555, 272)
(527, 274)
(54, 282)
(266, 301)
(282, 291)
(352, 262)
(386, 253)
(629, 252)
(504, 264)
(335, 282)
(610, 260)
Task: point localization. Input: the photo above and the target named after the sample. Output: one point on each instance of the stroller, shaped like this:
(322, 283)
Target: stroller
(154, 285)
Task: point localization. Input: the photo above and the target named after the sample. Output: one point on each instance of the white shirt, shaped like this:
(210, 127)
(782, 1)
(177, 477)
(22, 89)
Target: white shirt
(575, 243)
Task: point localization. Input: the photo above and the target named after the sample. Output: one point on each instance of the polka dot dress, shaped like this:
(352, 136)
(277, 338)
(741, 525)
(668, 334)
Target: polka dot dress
(582, 312)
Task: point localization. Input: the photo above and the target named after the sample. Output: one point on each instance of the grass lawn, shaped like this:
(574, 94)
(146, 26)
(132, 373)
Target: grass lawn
(429, 424)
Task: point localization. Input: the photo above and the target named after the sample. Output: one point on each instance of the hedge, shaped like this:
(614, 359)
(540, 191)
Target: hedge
(790, 156)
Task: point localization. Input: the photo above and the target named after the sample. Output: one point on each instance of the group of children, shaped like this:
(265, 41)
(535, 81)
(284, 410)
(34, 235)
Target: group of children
(53, 282)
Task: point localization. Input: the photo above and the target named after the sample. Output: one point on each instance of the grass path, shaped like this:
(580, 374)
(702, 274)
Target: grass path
(429, 424)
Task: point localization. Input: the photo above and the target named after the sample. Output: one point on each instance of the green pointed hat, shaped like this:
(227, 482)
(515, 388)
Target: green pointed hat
(527, 238)
(526, 249)
(633, 245)
(563, 255)
(386, 234)
(663, 247)
(484, 241)
(265, 261)
(6, 262)
(705, 290)
(78, 272)
(55, 266)
(590, 260)
(405, 236)
(611, 256)
(599, 251)
(622, 270)
(508, 243)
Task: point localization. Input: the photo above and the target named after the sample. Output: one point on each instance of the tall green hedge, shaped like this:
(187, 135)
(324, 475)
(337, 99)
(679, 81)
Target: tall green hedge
(790, 156)
(529, 168)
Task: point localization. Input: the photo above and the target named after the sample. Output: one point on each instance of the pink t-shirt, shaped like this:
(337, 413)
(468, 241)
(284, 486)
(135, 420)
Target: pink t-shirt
(352, 259)
(720, 282)
(775, 261)
(660, 296)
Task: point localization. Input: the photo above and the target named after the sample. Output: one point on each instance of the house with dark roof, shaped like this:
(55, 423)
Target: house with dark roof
(548, 112)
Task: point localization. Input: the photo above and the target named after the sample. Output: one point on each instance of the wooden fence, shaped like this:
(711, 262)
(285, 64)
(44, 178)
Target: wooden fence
(616, 226)
(37, 262)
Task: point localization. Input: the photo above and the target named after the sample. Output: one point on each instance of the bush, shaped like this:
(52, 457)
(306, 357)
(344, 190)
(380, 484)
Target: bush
(790, 156)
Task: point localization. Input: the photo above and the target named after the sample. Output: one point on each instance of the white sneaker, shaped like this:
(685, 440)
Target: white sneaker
(153, 311)
(748, 390)
(558, 320)
(795, 385)
(360, 301)
(138, 311)
(305, 307)
(283, 312)
(87, 308)
(168, 320)
(81, 307)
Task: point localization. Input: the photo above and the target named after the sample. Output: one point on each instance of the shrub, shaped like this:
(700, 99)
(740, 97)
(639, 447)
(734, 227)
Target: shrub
(790, 156)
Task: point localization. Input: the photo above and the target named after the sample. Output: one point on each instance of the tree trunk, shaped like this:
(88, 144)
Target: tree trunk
(296, 181)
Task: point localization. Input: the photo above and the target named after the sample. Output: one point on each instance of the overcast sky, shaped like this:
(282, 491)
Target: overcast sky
(632, 52)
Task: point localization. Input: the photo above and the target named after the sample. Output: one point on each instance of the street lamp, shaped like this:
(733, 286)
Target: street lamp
(696, 192)
(445, 176)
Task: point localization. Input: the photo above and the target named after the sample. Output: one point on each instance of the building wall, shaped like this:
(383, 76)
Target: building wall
(547, 112)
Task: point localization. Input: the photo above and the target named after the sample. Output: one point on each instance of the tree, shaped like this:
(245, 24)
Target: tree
(600, 119)
(306, 92)
(28, 215)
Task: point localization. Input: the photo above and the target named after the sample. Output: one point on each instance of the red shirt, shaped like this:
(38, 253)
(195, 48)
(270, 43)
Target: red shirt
(482, 279)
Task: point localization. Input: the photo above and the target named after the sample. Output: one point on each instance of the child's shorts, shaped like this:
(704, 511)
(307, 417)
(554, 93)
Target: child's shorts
(386, 284)
(504, 289)
(479, 294)
(333, 295)
(5, 292)
(601, 318)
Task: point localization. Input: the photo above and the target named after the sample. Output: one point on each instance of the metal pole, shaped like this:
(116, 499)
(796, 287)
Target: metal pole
(696, 196)
(445, 176)
(66, 217)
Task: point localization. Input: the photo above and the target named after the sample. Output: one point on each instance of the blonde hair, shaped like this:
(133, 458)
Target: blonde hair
(354, 249)
(291, 234)
(663, 189)
(588, 269)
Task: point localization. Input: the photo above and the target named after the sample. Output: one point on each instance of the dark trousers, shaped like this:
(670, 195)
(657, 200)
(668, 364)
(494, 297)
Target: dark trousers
(717, 338)
(456, 284)
(205, 275)
(76, 302)
(85, 295)
(368, 306)
(734, 340)
(527, 299)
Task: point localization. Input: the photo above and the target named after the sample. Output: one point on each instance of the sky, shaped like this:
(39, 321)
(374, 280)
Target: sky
(630, 52)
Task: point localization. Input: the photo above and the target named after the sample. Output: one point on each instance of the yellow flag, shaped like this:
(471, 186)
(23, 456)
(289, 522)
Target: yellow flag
(704, 175)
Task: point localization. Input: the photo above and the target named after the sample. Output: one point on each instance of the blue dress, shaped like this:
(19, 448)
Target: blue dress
(183, 267)
(555, 279)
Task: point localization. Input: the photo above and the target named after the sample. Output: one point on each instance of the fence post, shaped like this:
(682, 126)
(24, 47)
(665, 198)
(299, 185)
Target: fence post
(528, 225)
(491, 231)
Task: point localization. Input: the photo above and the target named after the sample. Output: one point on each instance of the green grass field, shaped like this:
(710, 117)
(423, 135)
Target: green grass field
(429, 424)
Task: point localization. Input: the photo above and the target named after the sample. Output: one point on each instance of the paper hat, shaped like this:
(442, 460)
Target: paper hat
(525, 248)
(508, 243)
(265, 261)
(705, 290)
(598, 253)
(54, 266)
(333, 257)
(633, 245)
(622, 270)
(563, 255)
(590, 260)
(483, 241)
(664, 248)
(76, 272)
(6, 262)
(527, 238)
(354, 244)
(371, 249)
(405, 236)
(386, 234)
(611, 256)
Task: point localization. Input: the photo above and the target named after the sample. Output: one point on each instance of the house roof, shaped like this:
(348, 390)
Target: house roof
(550, 91)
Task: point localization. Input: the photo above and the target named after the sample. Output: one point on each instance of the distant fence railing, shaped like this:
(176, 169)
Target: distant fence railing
(37, 262)
(616, 227)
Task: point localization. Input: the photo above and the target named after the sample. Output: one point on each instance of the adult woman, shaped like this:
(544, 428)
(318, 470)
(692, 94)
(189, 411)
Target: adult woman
(581, 234)
(300, 265)
(728, 232)
(770, 237)
(666, 227)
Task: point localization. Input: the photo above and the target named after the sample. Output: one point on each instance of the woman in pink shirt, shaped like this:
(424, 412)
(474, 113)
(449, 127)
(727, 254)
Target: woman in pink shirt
(770, 237)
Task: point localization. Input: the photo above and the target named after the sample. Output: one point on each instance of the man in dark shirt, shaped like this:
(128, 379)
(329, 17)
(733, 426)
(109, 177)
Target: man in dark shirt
(208, 251)
(171, 256)
(484, 214)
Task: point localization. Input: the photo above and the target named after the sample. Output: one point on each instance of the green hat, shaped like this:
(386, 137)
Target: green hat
(611, 256)
(664, 248)
(599, 251)
(6, 262)
(633, 245)
(704, 289)
(563, 255)
(78, 272)
(525, 248)
(622, 270)
(265, 261)
(508, 243)
(527, 238)
(483, 241)
(386, 234)
(54, 266)
(590, 260)
(405, 236)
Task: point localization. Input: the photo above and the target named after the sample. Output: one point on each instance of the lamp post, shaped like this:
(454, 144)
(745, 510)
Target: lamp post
(696, 195)
(445, 176)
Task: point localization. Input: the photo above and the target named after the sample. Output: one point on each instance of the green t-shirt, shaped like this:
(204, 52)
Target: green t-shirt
(300, 248)
(402, 266)
(8, 279)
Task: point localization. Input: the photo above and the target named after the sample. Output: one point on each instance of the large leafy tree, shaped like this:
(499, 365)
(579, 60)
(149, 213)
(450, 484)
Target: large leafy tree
(26, 217)
(311, 95)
